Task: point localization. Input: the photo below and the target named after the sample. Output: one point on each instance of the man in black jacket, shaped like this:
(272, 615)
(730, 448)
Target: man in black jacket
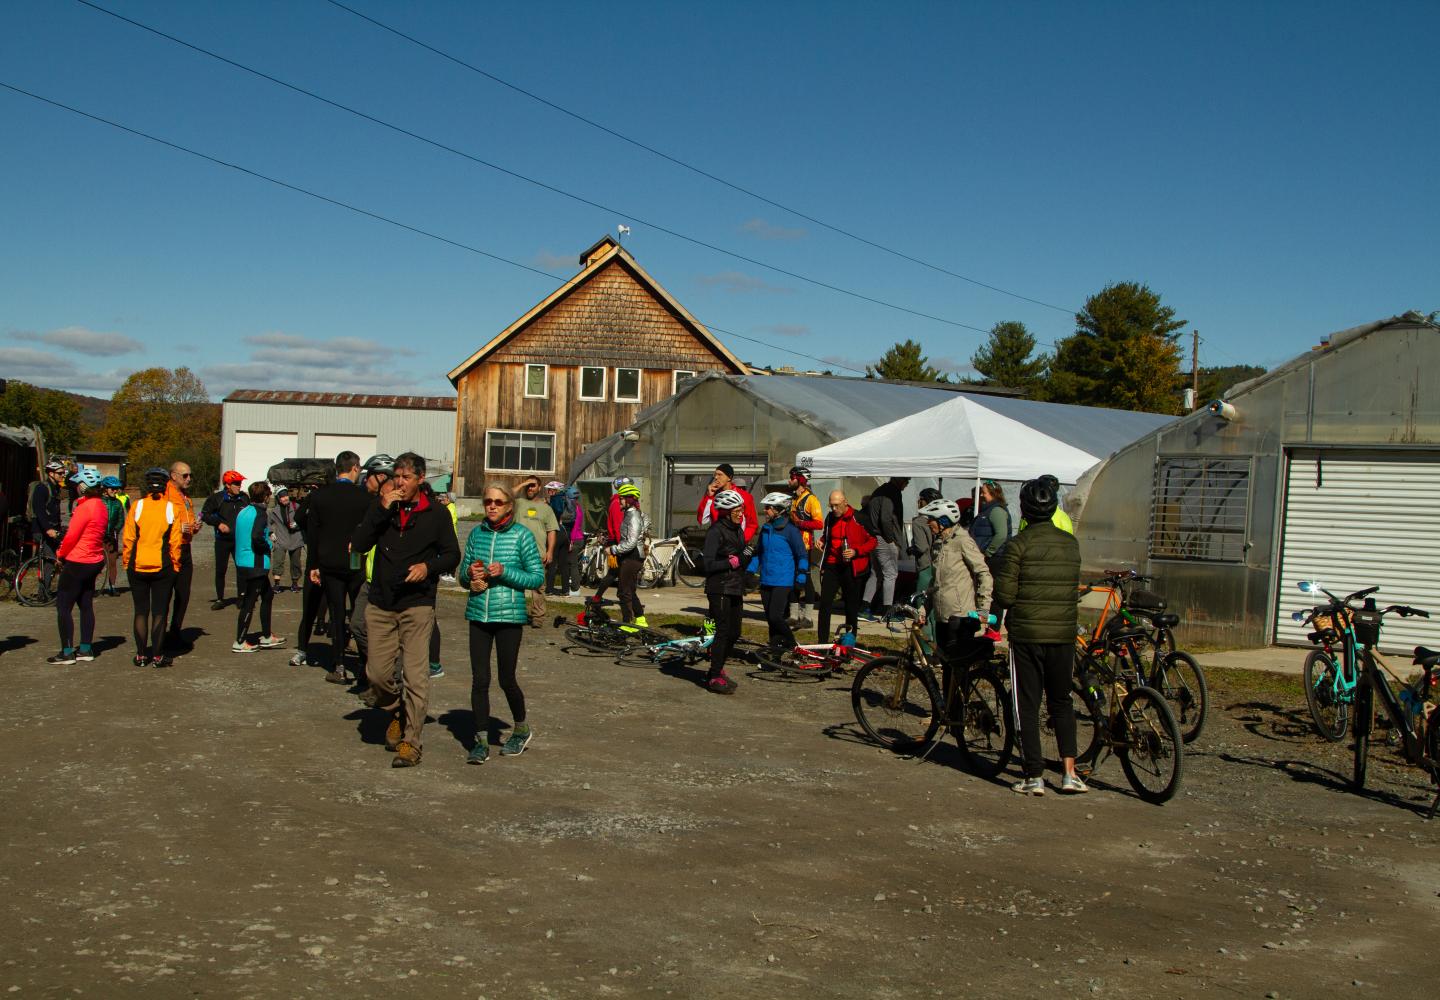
(886, 516)
(332, 514)
(44, 511)
(220, 510)
(414, 543)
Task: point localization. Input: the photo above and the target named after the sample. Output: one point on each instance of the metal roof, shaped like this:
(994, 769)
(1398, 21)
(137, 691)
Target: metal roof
(341, 399)
(842, 406)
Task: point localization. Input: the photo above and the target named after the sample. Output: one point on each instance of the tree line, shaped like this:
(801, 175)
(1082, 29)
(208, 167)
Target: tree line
(1125, 354)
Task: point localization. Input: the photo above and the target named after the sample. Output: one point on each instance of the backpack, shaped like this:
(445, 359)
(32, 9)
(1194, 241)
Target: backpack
(568, 507)
(865, 517)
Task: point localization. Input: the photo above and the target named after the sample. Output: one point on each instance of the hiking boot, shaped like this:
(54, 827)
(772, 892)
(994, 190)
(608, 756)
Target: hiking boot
(65, 656)
(406, 755)
(436, 670)
(337, 676)
(1072, 785)
(394, 733)
(516, 743)
(299, 659)
(271, 641)
(1029, 786)
(243, 646)
(85, 653)
(479, 753)
(720, 684)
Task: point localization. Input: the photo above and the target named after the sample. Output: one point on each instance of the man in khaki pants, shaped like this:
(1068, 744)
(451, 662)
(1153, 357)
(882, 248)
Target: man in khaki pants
(533, 510)
(414, 542)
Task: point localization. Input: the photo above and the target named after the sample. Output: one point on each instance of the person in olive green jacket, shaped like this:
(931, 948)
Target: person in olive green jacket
(1035, 589)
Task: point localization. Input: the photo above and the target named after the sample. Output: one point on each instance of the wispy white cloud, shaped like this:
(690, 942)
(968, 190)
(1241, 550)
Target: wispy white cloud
(554, 261)
(763, 230)
(844, 361)
(338, 364)
(83, 341)
(739, 283)
(52, 371)
(785, 330)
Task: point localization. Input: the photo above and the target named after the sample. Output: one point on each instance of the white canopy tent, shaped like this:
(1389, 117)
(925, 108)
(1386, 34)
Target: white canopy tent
(960, 438)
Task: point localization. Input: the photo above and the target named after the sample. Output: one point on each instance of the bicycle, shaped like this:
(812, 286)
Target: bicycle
(594, 560)
(814, 661)
(1416, 725)
(678, 564)
(31, 588)
(1330, 685)
(597, 632)
(12, 556)
(899, 704)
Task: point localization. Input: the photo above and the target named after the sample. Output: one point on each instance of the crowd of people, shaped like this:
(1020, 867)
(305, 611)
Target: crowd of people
(369, 547)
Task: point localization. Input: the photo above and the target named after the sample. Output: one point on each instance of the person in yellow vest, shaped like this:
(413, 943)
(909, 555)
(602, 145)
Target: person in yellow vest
(1060, 519)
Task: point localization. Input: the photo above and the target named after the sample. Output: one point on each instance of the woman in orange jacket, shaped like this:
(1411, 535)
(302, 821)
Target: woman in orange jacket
(151, 553)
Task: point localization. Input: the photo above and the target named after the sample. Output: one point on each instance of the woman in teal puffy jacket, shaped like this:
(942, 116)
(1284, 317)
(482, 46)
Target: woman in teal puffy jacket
(501, 562)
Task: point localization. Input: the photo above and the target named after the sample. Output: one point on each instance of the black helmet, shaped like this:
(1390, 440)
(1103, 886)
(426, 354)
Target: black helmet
(1049, 481)
(1037, 501)
(156, 477)
(929, 495)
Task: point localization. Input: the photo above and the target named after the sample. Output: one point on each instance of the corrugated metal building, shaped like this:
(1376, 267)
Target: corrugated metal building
(1326, 468)
(261, 427)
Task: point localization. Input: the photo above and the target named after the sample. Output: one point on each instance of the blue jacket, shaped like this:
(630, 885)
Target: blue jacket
(252, 540)
(780, 555)
(513, 547)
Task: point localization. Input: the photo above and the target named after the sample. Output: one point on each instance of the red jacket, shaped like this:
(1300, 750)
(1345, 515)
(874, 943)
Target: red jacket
(843, 529)
(705, 513)
(85, 537)
(614, 518)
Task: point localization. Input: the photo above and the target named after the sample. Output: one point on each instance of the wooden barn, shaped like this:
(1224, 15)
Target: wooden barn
(575, 369)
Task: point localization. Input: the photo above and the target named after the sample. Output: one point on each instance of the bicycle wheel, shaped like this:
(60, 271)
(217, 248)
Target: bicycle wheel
(9, 566)
(593, 640)
(797, 665)
(30, 589)
(1322, 694)
(652, 574)
(1181, 682)
(687, 567)
(983, 722)
(1150, 752)
(1364, 722)
(896, 703)
(1087, 702)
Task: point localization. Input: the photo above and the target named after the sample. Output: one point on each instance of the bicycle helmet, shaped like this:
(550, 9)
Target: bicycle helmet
(112, 483)
(929, 495)
(230, 477)
(628, 490)
(555, 484)
(156, 478)
(728, 500)
(87, 478)
(54, 465)
(620, 481)
(379, 465)
(781, 501)
(945, 513)
(1037, 501)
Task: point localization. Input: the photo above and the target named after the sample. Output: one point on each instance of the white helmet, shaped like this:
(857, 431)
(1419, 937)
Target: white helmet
(944, 512)
(728, 500)
(780, 500)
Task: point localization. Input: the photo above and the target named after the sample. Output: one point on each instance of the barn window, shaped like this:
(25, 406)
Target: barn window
(627, 385)
(519, 451)
(1199, 510)
(592, 383)
(680, 375)
(537, 381)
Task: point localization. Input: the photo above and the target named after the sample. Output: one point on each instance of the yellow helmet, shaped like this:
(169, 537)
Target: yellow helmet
(628, 490)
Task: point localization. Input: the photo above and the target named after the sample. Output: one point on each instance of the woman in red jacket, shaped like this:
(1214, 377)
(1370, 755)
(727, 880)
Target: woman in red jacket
(81, 556)
(847, 548)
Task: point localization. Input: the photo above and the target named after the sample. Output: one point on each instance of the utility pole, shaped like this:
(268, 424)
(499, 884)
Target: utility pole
(1195, 362)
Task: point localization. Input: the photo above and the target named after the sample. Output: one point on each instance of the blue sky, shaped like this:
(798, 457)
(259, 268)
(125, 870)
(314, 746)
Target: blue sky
(1270, 170)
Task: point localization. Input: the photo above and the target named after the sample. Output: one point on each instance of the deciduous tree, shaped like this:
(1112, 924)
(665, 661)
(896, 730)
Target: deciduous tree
(1123, 353)
(1008, 358)
(160, 415)
(56, 414)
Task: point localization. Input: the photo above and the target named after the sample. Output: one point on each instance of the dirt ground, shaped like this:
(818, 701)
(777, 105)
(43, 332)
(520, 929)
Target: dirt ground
(231, 827)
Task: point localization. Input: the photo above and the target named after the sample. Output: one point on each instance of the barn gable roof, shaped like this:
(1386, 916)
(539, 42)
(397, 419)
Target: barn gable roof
(598, 262)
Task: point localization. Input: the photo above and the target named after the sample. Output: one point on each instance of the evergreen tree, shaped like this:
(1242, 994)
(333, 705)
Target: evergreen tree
(1123, 354)
(1006, 358)
(904, 363)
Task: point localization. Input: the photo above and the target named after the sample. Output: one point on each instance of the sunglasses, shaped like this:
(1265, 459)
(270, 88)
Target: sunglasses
(494, 503)
(183, 475)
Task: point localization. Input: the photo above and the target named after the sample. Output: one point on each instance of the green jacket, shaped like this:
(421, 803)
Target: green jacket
(513, 547)
(1037, 586)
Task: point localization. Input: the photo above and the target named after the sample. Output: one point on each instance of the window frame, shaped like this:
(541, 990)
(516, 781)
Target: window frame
(604, 383)
(538, 434)
(1171, 537)
(525, 381)
(675, 374)
(639, 385)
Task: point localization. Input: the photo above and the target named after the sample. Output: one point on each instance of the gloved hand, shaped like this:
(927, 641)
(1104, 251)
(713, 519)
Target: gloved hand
(800, 580)
(734, 562)
(614, 551)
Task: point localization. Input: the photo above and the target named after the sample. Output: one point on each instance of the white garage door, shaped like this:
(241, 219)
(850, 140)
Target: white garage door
(256, 451)
(1356, 520)
(330, 445)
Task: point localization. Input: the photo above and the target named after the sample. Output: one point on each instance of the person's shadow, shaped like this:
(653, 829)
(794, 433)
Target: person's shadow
(106, 643)
(461, 724)
(16, 642)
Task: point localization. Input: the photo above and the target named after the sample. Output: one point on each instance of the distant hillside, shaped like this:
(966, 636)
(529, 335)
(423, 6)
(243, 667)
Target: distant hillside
(92, 413)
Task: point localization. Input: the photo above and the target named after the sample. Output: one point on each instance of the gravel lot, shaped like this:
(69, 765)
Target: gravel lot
(231, 827)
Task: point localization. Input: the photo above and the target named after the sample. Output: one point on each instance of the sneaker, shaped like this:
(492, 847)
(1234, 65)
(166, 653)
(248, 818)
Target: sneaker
(63, 657)
(394, 733)
(336, 677)
(721, 684)
(243, 646)
(406, 755)
(1029, 786)
(436, 670)
(707, 627)
(641, 622)
(271, 641)
(85, 653)
(159, 662)
(447, 579)
(1072, 785)
(573, 593)
(299, 659)
(516, 743)
(479, 754)
(140, 661)
(218, 604)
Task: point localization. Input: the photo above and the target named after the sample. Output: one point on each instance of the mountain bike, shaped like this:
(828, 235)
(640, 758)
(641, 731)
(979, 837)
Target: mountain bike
(594, 560)
(594, 630)
(816, 660)
(901, 706)
(1135, 724)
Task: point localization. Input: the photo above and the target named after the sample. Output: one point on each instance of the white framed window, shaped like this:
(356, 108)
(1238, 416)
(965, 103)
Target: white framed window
(519, 451)
(537, 381)
(678, 376)
(627, 385)
(592, 384)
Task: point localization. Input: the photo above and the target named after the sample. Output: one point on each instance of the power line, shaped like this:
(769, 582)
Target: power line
(690, 166)
(369, 214)
(527, 179)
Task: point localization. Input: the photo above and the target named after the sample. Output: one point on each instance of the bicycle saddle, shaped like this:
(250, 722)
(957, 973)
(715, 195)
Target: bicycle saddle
(1427, 657)
(1164, 620)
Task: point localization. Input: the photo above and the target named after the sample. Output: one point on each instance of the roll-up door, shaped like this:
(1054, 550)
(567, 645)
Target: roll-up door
(1363, 519)
(256, 451)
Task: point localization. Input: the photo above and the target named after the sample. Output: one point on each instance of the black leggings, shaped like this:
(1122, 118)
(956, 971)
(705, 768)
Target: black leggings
(77, 586)
(625, 588)
(839, 579)
(725, 613)
(224, 554)
(776, 601)
(253, 584)
(181, 600)
(504, 637)
(150, 593)
(1037, 669)
(340, 586)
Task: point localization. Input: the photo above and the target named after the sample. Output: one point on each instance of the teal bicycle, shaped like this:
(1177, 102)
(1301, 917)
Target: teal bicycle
(1332, 667)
